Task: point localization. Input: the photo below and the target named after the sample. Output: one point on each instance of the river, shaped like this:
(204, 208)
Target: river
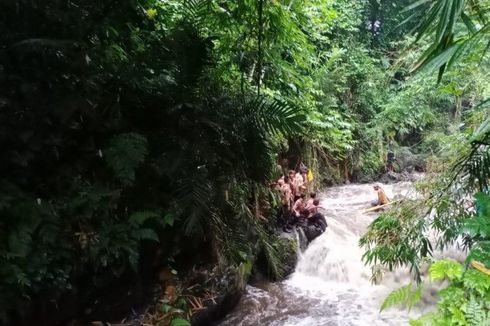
(331, 285)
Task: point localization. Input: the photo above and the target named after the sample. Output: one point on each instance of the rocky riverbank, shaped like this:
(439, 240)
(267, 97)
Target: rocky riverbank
(288, 246)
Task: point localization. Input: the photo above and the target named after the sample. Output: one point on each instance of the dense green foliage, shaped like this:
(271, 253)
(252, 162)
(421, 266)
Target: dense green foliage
(115, 134)
(405, 235)
(465, 301)
(138, 135)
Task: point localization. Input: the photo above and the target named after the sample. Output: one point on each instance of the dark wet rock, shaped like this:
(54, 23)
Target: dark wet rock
(286, 245)
(312, 232)
(359, 177)
(316, 226)
(232, 285)
(228, 288)
(393, 177)
(223, 305)
(410, 161)
(289, 257)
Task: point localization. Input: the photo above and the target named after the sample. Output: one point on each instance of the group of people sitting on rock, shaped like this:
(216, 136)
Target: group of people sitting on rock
(296, 207)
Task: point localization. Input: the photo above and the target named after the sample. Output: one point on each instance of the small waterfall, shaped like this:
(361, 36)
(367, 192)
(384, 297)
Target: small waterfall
(332, 259)
(335, 256)
(301, 241)
(331, 285)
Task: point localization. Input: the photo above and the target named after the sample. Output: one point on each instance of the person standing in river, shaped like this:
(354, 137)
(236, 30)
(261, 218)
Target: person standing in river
(390, 159)
(382, 198)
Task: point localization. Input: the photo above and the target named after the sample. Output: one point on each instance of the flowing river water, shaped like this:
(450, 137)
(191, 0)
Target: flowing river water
(331, 285)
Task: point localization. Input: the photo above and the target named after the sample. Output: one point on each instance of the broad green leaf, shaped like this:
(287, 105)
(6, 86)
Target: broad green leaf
(169, 219)
(166, 307)
(179, 322)
(138, 218)
(445, 268)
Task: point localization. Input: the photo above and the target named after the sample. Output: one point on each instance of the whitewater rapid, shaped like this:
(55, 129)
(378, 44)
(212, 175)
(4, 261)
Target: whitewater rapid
(331, 285)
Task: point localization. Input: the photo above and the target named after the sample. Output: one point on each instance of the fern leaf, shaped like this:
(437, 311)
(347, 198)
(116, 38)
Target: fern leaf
(480, 256)
(146, 234)
(194, 197)
(477, 281)
(475, 312)
(195, 11)
(275, 117)
(138, 218)
(407, 296)
(445, 268)
(125, 153)
(430, 319)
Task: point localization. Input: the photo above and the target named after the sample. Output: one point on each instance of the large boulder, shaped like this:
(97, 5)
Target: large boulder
(410, 161)
(315, 227)
(286, 246)
(394, 177)
(228, 288)
(289, 256)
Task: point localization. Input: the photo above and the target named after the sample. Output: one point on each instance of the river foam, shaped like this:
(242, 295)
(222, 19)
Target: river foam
(331, 285)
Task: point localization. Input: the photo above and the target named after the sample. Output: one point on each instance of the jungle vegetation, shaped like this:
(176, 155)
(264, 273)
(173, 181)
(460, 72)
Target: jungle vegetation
(452, 209)
(142, 135)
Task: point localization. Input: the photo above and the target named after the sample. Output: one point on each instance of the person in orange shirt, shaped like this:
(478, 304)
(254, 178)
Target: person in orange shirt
(382, 198)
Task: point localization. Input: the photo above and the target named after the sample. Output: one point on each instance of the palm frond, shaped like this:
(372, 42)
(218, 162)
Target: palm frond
(414, 5)
(482, 134)
(275, 117)
(469, 23)
(194, 198)
(441, 21)
(195, 11)
(474, 166)
(233, 244)
(407, 296)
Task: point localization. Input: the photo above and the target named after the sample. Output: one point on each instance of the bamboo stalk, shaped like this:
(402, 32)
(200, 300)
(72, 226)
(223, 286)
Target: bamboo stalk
(479, 266)
(372, 209)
